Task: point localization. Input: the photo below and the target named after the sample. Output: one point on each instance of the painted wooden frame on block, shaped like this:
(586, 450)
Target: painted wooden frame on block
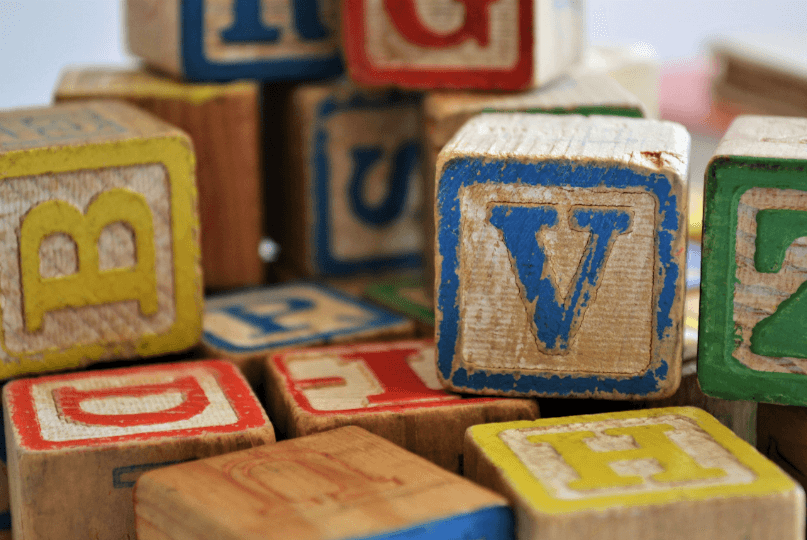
(101, 239)
(507, 188)
(662, 474)
(752, 332)
(223, 40)
(490, 44)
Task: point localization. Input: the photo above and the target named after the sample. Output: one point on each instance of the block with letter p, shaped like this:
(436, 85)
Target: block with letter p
(661, 474)
(100, 242)
(561, 244)
(78, 442)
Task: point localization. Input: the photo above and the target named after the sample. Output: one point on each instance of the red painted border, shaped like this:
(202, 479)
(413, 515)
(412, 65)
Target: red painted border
(24, 417)
(363, 71)
(355, 350)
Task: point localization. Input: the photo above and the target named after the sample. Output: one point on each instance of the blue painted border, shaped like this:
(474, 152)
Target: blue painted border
(464, 172)
(196, 66)
(324, 261)
(383, 318)
(494, 523)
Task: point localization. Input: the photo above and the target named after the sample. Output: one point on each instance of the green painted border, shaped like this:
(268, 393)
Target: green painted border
(602, 110)
(387, 293)
(719, 373)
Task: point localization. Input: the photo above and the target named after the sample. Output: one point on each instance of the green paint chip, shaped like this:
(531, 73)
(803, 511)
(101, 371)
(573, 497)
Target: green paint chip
(406, 295)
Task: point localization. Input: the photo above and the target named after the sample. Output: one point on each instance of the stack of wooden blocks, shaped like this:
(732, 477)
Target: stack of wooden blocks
(465, 147)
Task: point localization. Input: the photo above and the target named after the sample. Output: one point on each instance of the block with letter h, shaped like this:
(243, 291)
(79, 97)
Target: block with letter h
(471, 44)
(561, 245)
(100, 243)
(223, 40)
(753, 316)
(83, 437)
(355, 157)
(661, 474)
(390, 389)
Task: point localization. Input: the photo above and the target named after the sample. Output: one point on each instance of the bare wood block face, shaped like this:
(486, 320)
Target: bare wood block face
(561, 244)
(445, 112)
(356, 196)
(390, 389)
(752, 332)
(100, 240)
(248, 326)
(224, 40)
(482, 44)
(223, 121)
(83, 437)
(661, 474)
(343, 484)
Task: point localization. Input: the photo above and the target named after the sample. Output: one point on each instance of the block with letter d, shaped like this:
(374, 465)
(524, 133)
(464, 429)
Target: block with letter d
(661, 474)
(77, 443)
(224, 40)
(561, 245)
(100, 240)
(753, 315)
(471, 44)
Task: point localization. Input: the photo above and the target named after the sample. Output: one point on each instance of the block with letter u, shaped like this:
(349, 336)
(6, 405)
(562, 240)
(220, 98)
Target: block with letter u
(100, 240)
(98, 431)
(561, 244)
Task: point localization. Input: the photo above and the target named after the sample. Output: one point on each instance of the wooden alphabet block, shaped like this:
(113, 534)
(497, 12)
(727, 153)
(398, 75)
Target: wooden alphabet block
(753, 337)
(247, 326)
(5, 507)
(561, 245)
(390, 389)
(356, 194)
(781, 436)
(78, 442)
(407, 295)
(223, 121)
(445, 112)
(99, 240)
(343, 484)
(224, 40)
(483, 44)
(660, 474)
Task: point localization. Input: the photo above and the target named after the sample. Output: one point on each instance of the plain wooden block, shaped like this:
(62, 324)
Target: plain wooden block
(100, 237)
(662, 474)
(445, 112)
(781, 431)
(753, 335)
(224, 40)
(223, 121)
(407, 295)
(355, 186)
(390, 389)
(483, 44)
(247, 326)
(78, 442)
(342, 484)
(561, 245)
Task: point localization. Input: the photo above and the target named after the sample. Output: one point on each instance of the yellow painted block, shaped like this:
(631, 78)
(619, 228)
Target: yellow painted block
(656, 474)
(99, 237)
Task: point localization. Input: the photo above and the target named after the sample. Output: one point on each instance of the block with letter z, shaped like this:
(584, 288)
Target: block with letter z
(561, 244)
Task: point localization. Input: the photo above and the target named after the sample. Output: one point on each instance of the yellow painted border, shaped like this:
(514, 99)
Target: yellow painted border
(770, 479)
(175, 154)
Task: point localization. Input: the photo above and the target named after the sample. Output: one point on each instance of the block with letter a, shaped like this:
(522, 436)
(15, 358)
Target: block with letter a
(390, 389)
(100, 243)
(98, 431)
(660, 474)
(561, 244)
(753, 320)
(471, 44)
(225, 40)
(345, 484)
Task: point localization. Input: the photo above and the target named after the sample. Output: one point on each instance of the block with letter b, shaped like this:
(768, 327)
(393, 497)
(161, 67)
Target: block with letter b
(471, 44)
(100, 243)
(224, 40)
(661, 474)
(753, 323)
(561, 245)
(88, 436)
